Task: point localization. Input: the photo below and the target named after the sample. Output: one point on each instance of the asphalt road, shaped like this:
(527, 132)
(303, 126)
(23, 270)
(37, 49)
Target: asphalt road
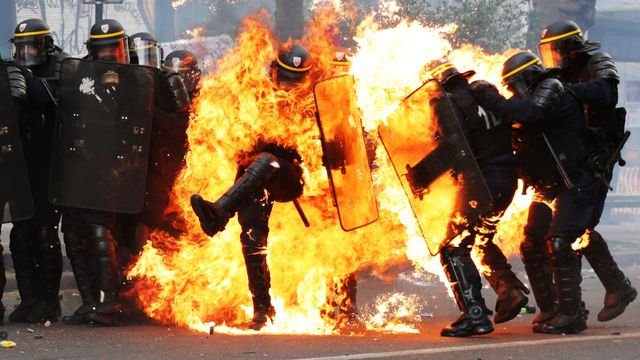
(618, 339)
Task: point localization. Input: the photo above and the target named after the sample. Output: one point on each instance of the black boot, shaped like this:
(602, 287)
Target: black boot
(214, 216)
(466, 284)
(259, 284)
(3, 283)
(76, 248)
(104, 249)
(565, 264)
(536, 264)
(48, 273)
(24, 264)
(509, 289)
(620, 293)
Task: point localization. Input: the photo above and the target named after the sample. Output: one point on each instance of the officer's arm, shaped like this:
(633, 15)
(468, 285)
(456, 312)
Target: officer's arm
(515, 109)
(172, 94)
(602, 89)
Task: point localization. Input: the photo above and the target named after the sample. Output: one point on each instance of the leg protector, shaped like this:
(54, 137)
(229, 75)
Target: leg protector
(24, 264)
(215, 216)
(254, 220)
(76, 247)
(466, 285)
(619, 290)
(565, 265)
(3, 283)
(48, 273)
(104, 249)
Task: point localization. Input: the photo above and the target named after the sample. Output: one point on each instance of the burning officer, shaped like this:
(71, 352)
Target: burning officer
(593, 78)
(552, 150)
(266, 173)
(35, 246)
(490, 140)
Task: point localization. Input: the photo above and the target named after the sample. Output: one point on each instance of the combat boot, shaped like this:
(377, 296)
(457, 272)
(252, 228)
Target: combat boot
(619, 292)
(466, 284)
(24, 265)
(75, 245)
(48, 273)
(511, 295)
(565, 264)
(534, 258)
(108, 310)
(259, 284)
(214, 216)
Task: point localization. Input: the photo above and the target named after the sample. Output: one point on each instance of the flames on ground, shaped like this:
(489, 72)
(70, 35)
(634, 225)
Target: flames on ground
(196, 281)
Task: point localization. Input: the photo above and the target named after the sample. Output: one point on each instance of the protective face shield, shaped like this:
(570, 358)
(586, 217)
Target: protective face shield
(117, 52)
(553, 54)
(148, 52)
(29, 51)
(186, 65)
(519, 71)
(443, 70)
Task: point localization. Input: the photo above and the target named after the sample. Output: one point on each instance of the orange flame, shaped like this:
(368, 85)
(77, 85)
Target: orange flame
(197, 282)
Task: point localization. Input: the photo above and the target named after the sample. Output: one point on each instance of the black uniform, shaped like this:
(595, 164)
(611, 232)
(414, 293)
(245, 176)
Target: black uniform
(555, 113)
(490, 141)
(18, 92)
(594, 80)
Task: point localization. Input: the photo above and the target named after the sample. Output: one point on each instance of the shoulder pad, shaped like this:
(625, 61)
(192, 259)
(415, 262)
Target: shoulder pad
(548, 94)
(17, 82)
(602, 66)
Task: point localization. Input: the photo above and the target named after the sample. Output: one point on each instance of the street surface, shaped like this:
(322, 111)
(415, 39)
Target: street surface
(617, 339)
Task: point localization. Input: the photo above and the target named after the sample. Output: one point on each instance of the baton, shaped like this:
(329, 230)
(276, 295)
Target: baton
(303, 217)
(46, 87)
(563, 173)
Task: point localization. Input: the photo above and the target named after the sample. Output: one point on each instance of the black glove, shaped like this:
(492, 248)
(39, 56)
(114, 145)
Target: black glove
(485, 93)
(172, 94)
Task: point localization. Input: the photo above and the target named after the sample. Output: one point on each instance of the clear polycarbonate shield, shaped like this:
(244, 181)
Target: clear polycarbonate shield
(15, 193)
(101, 146)
(433, 160)
(345, 155)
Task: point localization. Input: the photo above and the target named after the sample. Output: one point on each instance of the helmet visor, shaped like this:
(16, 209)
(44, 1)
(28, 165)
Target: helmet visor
(112, 51)
(29, 51)
(148, 52)
(551, 57)
(188, 71)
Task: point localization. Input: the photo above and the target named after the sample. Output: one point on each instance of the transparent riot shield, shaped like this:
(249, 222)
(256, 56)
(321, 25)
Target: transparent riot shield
(433, 160)
(345, 155)
(15, 193)
(101, 145)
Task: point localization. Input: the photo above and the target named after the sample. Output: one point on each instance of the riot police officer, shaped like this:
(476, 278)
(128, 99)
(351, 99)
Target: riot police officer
(88, 234)
(18, 92)
(490, 140)
(145, 50)
(553, 160)
(593, 78)
(268, 172)
(35, 246)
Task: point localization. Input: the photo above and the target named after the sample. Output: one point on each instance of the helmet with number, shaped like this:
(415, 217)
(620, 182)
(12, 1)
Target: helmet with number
(560, 40)
(185, 63)
(520, 71)
(443, 70)
(146, 50)
(291, 65)
(32, 42)
(108, 42)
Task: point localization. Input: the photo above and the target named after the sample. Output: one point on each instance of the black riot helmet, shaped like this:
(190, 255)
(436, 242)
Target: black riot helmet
(291, 65)
(31, 43)
(520, 71)
(146, 49)
(560, 41)
(185, 63)
(443, 70)
(108, 42)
